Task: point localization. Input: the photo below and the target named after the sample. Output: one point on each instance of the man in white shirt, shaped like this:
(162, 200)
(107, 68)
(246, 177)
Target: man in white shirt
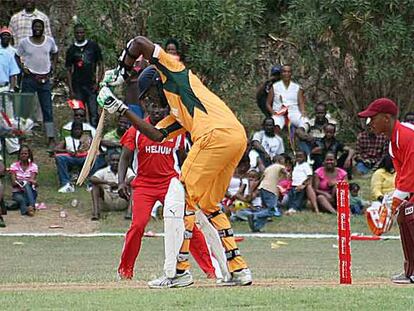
(21, 22)
(267, 143)
(105, 187)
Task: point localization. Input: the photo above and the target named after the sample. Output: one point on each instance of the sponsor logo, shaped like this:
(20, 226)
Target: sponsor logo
(158, 149)
(408, 210)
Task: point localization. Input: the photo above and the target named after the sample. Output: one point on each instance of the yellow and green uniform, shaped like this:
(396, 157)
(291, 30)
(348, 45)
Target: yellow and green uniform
(219, 141)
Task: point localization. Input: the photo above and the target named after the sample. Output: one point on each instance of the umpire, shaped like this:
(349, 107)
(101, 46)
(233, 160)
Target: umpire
(381, 116)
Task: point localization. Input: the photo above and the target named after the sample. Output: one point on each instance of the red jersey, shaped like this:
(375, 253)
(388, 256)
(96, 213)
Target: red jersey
(154, 163)
(402, 152)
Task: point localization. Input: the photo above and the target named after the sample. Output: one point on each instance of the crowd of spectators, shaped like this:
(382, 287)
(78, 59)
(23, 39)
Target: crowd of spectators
(267, 183)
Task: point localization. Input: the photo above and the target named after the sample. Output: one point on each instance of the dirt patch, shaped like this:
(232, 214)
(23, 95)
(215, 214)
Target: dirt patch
(46, 219)
(281, 283)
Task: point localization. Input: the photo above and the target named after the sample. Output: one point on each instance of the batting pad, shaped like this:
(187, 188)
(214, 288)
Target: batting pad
(214, 241)
(174, 206)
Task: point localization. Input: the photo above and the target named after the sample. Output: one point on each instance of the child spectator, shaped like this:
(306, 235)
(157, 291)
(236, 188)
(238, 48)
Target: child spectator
(24, 181)
(285, 184)
(383, 179)
(301, 185)
(250, 201)
(325, 180)
(355, 201)
(237, 188)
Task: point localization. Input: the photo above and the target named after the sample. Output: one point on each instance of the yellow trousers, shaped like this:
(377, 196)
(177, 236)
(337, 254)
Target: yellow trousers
(206, 175)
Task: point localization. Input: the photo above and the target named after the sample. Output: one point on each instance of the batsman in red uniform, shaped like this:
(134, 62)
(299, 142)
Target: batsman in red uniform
(155, 165)
(382, 118)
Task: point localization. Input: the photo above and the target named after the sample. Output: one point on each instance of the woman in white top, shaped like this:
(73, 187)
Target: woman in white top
(286, 97)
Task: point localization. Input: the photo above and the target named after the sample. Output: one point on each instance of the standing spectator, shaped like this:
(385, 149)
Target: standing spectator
(370, 149)
(21, 22)
(301, 186)
(6, 37)
(383, 179)
(71, 153)
(111, 140)
(3, 210)
(34, 53)
(105, 187)
(267, 143)
(24, 181)
(325, 180)
(84, 71)
(263, 90)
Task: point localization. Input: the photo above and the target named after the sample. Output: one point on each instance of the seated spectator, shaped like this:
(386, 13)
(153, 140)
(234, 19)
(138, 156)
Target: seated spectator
(267, 143)
(409, 117)
(269, 194)
(329, 143)
(285, 184)
(355, 201)
(263, 89)
(105, 187)
(370, 149)
(24, 181)
(256, 162)
(383, 179)
(71, 153)
(111, 139)
(301, 186)
(3, 210)
(79, 114)
(325, 180)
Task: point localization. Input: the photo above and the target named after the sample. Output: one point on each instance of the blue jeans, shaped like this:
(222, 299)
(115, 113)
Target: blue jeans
(44, 94)
(64, 163)
(296, 199)
(362, 168)
(269, 200)
(87, 94)
(26, 197)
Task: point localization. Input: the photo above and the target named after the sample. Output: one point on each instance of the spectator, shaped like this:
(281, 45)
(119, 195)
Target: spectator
(285, 184)
(315, 127)
(409, 117)
(105, 187)
(383, 179)
(329, 143)
(84, 65)
(21, 22)
(263, 90)
(111, 139)
(34, 55)
(79, 114)
(251, 200)
(256, 163)
(71, 153)
(355, 201)
(24, 181)
(267, 143)
(269, 194)
(3, 210)
(370, 149)
(6, 39)
(301, 186)
(325, 180)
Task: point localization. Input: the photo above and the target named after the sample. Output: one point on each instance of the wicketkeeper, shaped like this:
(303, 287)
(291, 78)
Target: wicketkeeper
(219, 143)
(381, 116)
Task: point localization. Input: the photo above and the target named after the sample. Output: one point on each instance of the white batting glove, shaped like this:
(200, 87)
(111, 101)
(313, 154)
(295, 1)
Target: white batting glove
(107, 100)
(112, 77)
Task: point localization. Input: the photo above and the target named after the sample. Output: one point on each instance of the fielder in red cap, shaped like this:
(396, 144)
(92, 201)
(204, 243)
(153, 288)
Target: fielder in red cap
(381, 116)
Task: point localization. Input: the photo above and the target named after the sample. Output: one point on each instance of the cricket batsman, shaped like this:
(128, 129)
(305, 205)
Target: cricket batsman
(219, 143)
(381, 116)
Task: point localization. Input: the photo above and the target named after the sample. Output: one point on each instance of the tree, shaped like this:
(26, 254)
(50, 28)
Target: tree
(358, 50)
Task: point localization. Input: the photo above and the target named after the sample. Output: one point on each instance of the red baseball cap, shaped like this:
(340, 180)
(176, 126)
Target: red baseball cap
(5, 30)
(380, 105)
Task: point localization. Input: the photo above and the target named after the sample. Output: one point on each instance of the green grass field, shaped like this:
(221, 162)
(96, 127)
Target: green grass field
(79, 274)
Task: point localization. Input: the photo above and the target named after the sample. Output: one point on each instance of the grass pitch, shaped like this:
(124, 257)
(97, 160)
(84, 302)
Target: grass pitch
(79, 274)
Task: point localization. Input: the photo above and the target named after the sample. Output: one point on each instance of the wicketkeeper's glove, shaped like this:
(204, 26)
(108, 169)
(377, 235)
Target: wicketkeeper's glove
(108, 101)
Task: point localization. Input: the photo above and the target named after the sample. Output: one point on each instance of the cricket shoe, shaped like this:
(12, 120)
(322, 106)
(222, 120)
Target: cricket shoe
(402, 279)
(180, 280)
(239, 278)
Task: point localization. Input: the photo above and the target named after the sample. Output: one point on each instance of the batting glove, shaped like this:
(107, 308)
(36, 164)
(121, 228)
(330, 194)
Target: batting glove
(112, 77)
(107, 100)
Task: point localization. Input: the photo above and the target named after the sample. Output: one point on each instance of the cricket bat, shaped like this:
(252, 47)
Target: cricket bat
(92, 152)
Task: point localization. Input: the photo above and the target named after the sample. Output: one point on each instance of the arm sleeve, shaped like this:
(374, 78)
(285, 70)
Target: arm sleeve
(258, 136)
(68, 59)
(172, 127)
(20, 49)
(99, 174)
(98, 53)
(14, 69)
(128, 139)
(54, 48)
(405, 181)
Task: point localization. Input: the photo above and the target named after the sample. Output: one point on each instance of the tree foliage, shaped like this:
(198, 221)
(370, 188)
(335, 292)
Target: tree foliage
(358, 49)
